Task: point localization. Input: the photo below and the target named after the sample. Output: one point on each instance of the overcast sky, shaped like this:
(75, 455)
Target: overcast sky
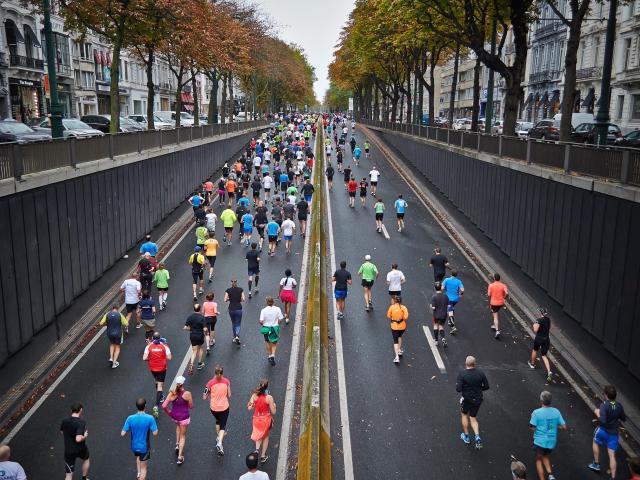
(315, 26)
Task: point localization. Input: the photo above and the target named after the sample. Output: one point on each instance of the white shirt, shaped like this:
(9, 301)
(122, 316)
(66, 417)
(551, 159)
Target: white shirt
(14, 471)
(211, 221)
(292, 199)
(299, 155)
(328, 148)
(132, 288)
(374, 174)
(288, 227)
(271, 316)
(267, 182)
(256, 161)
(395, 279)
(345, 130)
(288, 283)
(267, 155)
(257, 475)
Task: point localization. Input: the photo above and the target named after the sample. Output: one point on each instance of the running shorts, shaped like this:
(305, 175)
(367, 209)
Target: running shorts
(70, 459)
(379, 216)
(248, 231)
(132, 307)
(159, 376)
(352, 194)
(542, 344)
(468, 408)
(221, 418)
(197, 276)
(374, 184)
(395, 293)
(340, 294)
(396, 334)
(302, 217)
(196, 340)
(287, 237)
(253, 271)
(211, 323)
(228, 229)
(496, 308)
(601, 437)
(541, 450)
(400, 215)
(143, 456)
(212, 260)
(439, 321)
(367, 283)
(260, 231)
(115, 339)
(273, 238)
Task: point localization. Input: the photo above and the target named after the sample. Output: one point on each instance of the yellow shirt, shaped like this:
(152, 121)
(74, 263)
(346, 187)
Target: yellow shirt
(211, 247)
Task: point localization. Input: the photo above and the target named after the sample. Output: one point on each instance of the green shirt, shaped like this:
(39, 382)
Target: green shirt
(379, 206)
(292, 191)
(201, 235)
(368, 271)
(228, 218)
(161, 278)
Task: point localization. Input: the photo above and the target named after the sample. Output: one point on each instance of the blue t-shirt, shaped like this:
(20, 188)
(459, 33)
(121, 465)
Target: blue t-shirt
(247, 220)
(258, 148)
(451, 287)
(357, 152)
(272, 228)
(284, 178)
(546, 421)
(150, 247)
(146, 309)
(196, 200)
(140, 424)
(244, 201)
(400, 205)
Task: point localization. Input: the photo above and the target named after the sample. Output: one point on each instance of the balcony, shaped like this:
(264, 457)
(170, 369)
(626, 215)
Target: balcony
(588, 73)
(549, 27)
(544, 76)
(64, 70)
(628, 76)
(3, 60)
(21, 61)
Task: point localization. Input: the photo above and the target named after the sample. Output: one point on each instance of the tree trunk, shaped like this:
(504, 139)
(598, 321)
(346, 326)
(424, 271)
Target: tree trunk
(475, 109)
(409, 99)
(232, 103)
(402, 99)
(196, 110)
(376, 104)
(454, 85)
(223, 100)
(394, 104)
(432, 100)
(212, 113)
(114, 89)
(178, 103)
(569, 90)
(151, 88)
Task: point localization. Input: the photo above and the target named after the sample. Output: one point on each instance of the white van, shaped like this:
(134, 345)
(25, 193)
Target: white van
(577, 118)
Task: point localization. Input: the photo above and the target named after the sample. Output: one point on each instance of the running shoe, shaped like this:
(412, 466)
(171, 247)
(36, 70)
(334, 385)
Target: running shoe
(551, 477)
(497, 335)
(210, 280)
(400, 352)
(237, 340)
(272, 361)
(156, 413)
(549, 377)
(200, 292)
(465, 438)
(116, 364)
(435, 342)
(180, 461)
(249, 295)
(110, 362)
(444, 343)
(195, 298)
(177, 449)
(200, 365)
(286, 320)
(219, 449)
(453, 330)
(208, 351)
(138, 325)
(493, 327)
(531, 365)
(594, 466)
(396, 359)
(190, 369)
(264, 459)
(164, 305)
(478, 443)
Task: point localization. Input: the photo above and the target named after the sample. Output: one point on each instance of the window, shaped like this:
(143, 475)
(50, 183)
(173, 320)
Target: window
(635, 111)
(126, 70)
(85, 51)
(627, 53)
(596, 51)
(87, 79)
(581, 64)
(619, 106)
(631, 7)
(77, 78)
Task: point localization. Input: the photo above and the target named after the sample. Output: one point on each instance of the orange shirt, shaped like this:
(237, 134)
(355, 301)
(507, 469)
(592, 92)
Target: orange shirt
(231, 186)
(497, 292)
(238, 167)
(210, 309)
(398, 314)
(219, 393)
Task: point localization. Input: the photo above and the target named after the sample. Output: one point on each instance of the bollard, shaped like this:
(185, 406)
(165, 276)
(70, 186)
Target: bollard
(567, 158)
(624, 167)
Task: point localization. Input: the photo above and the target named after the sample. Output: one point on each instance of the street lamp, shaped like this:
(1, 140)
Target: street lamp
(55, 108)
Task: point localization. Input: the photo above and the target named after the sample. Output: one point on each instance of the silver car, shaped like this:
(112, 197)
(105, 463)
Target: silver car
(522, 129)
(158, 123)
(71, 127)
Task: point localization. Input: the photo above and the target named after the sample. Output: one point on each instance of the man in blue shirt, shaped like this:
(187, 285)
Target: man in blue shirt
(140, 424)
(401, 206)
(149, 247)
(545, 422)
(610, 414)
(244, 201)
(247, 228)
(284, 181)
(196, 201)
(454, 289)
(356, 154)
(273, 230)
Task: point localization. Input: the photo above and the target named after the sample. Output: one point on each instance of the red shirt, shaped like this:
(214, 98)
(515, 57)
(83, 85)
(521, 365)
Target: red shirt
(208, 186)
(352, 186)
(157, 355)
(497, 292)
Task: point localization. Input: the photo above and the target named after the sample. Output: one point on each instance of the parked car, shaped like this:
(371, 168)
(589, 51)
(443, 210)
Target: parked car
(576, 118)
(186, 119)
(458, 122)
(158, 123)
(497, 127)
(103, 121)
(464, 125)
(587, 133)
(204, 119)
(71, 127)
(522, 129)
(631, 139)
(547, 129)
(12, 131)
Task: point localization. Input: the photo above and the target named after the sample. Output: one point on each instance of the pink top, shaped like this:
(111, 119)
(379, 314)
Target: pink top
(260, 406)
(210, 309)
(219, 392)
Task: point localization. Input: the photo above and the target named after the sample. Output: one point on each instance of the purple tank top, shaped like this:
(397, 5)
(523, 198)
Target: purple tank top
(180, 408)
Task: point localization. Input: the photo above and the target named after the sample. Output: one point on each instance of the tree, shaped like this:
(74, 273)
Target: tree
(336, 98)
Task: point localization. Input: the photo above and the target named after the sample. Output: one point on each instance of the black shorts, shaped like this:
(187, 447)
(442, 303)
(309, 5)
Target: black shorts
(231, 194)
(379, 216)
(260, 231)
(438, 277)
(228, 229)
(266, 190)
(395, 293)
(400, 215)
(541, 344)
(132, 307)
(159, 376)
(70, 459)
(542, 451)
(143, 456)
(352, 194)
(211, 323)
(396, 334)
(196, 340)
(212, 260)
(374, 184)
(197, 276)
(302, 217)
(221, 418)
(367, 283)
(496, 308)
(163, 289)
(115, 339)
(470, 409)
(439, 321)
(253, 271)
(284, 186)
(273, 238)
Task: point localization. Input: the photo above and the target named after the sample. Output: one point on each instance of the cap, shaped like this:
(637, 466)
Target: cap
(198, 249)
(367, 257)
(180, 380)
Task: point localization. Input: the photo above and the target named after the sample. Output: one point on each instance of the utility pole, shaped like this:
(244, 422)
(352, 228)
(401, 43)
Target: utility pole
(55, 109)
(602, 117)
(488, 111)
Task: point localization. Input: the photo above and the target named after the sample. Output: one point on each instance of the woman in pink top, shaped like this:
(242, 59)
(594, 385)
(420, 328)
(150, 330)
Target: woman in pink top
(181, 402)
(210, 312)
(264, 407)
(219, 390)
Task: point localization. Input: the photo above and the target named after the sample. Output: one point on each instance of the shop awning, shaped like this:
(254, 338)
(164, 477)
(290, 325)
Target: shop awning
(108, 64)
(588, 100)
(186, 97)
(188, 108)
(103, 60)
(555, 97)
(528, 100)
(545, 98)
(28, 31)
(96, 57)
(13, 33)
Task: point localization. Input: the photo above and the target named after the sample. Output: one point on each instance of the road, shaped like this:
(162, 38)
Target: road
(110, 395)
(404, 419)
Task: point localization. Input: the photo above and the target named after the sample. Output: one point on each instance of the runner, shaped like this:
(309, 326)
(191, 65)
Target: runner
(210, 250)
(74, 432)
(210, 222)
(234, 296)
(210, 312)
(264, 408)
(330, 172)
(339, 159)
(352, 187)
(140, 425)
(225, 170)
(454, 289)
(609, 414)
(342, 279)
(497, 293)
(157, 353)
(471, 382)
(132, 289)
(288, 231)
(287, 293)
(401, 206)
(545, 423)
(229, 219)
(347, 176)
(379, 209)
(196, 201)
(247, 228)
(398, 316)
(357, 152)
(260, 221)
(196, 260)
(147, 314)
(395, 279)
(116, 323)
(439, 303)
(273, 229)
(541, 342)
(439, 263)
(284, 181)
(369, 273)
(197, 327)
(352, 144)
(374, 176)
(146, 268)
(253, 266)
(181, 402)
(363, 191)
(256, 186)
(327, 150)
(222, 190)
(367, 147)
(208, 190)
(270, 318)
(231, 186)
(303, 212)
(218, 389)
(149, 247)
(267, 184)
(307, 190)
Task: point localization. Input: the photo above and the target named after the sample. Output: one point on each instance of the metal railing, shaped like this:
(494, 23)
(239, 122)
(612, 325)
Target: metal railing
(26, 62)
(613, 163)
(18, 159)
(591, 72)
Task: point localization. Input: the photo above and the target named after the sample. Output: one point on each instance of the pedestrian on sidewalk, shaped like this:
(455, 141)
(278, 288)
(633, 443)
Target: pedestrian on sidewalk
(398, 316)
(252, 466)
(132, 289)
(197, 327)
(157, 353)
(12, 470)
(147, 315)
(379, 209)
(234, 296)
(181, 402)
(116, 323)
(342, 279)
(497, 293)
(270, 318)
(369, 273)
(74, 432)
(471, 382)
(545, 422)
(541, 342)
(454, 289)
(264, 408)
(610, 413)
(287, 293)
(218, 389)
(196, 260)
(210, 312)
(161, 278)
(439, 303)
(140, 425)
(395, 280)
(439, 263)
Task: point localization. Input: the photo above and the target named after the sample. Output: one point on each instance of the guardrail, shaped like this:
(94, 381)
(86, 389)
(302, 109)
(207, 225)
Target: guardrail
(18, 159)
(613, 163)
(314, 448)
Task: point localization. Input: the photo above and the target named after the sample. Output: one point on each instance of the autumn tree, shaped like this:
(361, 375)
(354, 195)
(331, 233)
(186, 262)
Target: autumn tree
(336, 98)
